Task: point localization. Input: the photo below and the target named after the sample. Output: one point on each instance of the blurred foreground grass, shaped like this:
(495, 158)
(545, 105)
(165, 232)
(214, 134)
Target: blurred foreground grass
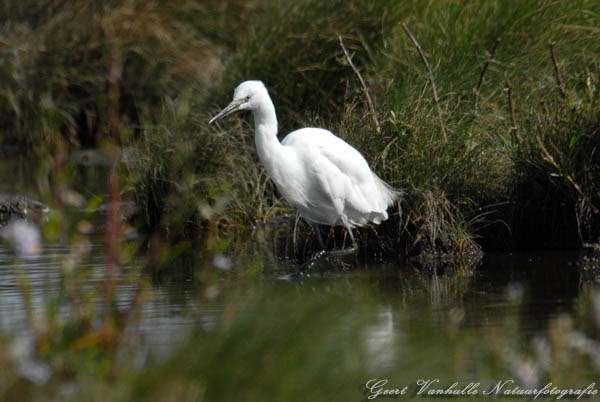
(315, 339)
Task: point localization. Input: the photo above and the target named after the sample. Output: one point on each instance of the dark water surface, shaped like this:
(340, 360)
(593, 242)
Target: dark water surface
(510, 311)
(531, 288)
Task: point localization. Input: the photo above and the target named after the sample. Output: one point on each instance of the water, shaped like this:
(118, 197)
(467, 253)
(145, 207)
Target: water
(545, 285)
(526, 316)
(401, 323)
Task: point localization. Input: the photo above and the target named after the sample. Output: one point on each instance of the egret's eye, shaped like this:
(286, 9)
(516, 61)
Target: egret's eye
(247, 98)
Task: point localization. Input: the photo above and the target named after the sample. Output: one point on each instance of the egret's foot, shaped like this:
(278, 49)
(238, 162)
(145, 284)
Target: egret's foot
(313, 259)
(288, 277)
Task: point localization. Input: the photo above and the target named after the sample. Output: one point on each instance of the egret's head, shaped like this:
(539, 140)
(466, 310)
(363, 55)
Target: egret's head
(246, 96)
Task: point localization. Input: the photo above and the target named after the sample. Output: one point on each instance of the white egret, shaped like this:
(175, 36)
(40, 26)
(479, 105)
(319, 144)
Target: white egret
(325, 178)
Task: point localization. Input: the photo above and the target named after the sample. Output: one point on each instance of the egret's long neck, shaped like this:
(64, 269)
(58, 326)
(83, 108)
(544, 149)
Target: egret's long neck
(265, 137)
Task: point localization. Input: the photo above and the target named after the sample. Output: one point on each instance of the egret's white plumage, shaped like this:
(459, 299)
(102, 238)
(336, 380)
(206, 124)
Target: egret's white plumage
(325, 178)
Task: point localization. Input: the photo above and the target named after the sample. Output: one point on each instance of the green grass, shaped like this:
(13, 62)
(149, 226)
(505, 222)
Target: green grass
(484, 162)
(154, 81)
(481, 177)
(79, 73)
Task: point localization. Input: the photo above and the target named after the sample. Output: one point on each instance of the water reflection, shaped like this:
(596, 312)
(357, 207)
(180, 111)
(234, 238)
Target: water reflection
(532, 288)
(381, 341)
(531, 309)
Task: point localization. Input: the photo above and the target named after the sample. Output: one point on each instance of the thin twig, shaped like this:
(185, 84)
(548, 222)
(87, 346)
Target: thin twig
(431, 80)
(511, 103)
(362, 83)
(559, 80)
(485, 67)
(114, 76)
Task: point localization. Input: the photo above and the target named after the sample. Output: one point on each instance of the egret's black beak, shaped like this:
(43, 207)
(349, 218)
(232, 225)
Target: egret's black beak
(231, 108)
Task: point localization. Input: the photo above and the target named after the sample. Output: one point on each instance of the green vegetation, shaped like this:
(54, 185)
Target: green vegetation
(79, 73)
(506, 157)
(476, 170)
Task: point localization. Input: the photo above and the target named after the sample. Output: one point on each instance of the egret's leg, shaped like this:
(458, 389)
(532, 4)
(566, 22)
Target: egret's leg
(318, 232)
(295, 231)
(317, 255)
(345, 251)
(333, 253)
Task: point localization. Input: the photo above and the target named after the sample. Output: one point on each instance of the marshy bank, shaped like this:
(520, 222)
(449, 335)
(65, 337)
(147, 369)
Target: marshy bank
(164, 242)
(503, 156)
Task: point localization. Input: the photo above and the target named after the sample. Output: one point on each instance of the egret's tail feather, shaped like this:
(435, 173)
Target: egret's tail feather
(389, 194)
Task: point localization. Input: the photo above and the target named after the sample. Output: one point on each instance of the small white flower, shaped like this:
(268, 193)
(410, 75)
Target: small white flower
(24, 237)
(222, 262)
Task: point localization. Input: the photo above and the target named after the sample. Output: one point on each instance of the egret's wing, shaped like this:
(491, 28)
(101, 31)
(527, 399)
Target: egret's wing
(343, 178)
(351, 183)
